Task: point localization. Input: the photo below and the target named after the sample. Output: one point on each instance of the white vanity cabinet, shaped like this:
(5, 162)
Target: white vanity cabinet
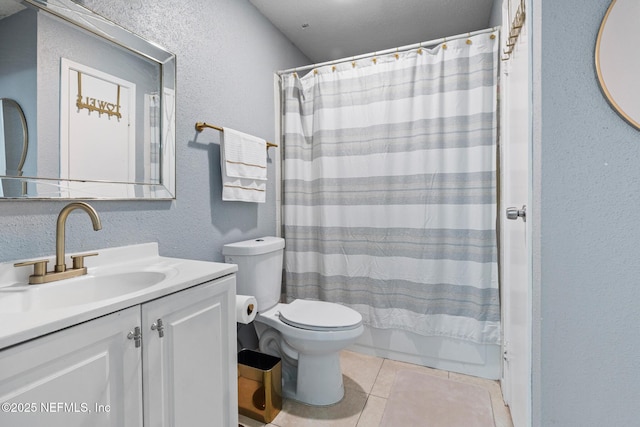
(189, 357)
(179, 370)
(86, 375)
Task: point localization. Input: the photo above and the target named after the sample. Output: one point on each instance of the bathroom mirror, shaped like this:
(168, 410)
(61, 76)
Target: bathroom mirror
(98, 103)
(617, 59)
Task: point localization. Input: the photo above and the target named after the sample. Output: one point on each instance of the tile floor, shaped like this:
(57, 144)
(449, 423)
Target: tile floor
(368, 381)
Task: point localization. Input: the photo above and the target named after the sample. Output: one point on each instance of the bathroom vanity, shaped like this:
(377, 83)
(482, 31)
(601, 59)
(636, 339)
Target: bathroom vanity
(141, 340)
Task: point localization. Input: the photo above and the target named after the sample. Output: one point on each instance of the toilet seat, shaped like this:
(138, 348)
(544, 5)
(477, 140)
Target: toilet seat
(319, 316)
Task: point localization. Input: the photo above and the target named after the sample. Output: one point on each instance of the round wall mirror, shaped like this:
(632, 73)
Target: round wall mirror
(618, 60)
(14, 143)
(14, 138)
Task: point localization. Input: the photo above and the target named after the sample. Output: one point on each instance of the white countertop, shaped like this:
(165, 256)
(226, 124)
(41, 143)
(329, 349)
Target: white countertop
(17, 327)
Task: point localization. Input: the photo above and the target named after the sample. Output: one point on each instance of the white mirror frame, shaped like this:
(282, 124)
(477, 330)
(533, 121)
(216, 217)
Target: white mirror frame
(55, 188)
(617, 60)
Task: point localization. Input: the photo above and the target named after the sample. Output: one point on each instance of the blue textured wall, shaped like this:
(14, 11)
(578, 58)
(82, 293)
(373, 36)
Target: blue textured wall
(586, 339)
(226, 55)
(496, 13)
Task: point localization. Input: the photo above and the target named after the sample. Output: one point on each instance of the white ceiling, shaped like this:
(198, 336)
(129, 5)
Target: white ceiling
(325, 30)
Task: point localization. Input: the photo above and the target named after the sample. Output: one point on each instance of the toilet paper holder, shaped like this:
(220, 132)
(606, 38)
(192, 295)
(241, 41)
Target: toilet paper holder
(246, 308)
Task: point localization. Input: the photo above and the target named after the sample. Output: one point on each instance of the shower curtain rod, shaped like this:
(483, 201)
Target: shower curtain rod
(387, 51)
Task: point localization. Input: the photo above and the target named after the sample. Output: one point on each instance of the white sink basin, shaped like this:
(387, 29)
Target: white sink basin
(119, 278)
(72, 292)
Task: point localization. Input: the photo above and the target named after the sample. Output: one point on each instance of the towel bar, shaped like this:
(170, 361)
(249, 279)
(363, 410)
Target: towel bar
(201, 125)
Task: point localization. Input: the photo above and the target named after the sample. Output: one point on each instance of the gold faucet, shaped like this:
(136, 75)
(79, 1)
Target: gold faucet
(40, 274)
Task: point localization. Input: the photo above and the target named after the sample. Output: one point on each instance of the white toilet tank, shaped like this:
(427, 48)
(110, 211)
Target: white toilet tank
(259, 268)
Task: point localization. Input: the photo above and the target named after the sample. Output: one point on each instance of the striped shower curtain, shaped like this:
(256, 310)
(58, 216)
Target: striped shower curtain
(389, 188)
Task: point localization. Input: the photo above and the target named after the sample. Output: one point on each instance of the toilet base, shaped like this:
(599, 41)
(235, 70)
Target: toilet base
(310, 358)
(318, 382)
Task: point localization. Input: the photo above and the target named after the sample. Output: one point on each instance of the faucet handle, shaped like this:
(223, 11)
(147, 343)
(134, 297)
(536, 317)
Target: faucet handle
(39, 266)
(78, 260)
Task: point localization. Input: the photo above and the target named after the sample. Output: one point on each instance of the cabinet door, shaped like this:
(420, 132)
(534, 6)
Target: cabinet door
(190, 373)
(86, 375)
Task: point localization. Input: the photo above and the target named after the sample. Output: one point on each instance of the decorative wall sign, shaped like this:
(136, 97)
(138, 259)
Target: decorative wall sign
(99, 105)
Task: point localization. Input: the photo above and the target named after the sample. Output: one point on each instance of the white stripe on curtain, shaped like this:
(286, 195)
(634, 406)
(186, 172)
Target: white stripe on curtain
(390, 189)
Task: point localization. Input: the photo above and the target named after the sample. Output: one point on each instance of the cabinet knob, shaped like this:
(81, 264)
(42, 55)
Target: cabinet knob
(136, 336)
(158, 326)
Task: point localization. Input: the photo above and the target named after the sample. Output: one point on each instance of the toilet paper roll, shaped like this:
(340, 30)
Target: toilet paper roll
(246, 308)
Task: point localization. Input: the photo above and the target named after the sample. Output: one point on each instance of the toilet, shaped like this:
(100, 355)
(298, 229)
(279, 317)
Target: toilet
(307, 335)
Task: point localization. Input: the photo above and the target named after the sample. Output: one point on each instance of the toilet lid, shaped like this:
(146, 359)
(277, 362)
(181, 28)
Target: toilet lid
(319, 315)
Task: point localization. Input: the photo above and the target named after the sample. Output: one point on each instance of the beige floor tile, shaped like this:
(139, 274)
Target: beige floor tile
(492, 386)
(501, 414)
(343, 414)
(373, 412)
(418, 398)
(360, 370)
(387, 375)
(249, 422)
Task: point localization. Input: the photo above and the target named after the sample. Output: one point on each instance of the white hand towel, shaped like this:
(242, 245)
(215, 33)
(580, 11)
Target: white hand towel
(245, 155)
(242, 191)
(243, 167)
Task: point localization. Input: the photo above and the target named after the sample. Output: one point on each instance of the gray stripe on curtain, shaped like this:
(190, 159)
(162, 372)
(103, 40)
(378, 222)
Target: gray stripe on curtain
(429, 298)
(434, 244)
(443, 132)
(417, 189)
